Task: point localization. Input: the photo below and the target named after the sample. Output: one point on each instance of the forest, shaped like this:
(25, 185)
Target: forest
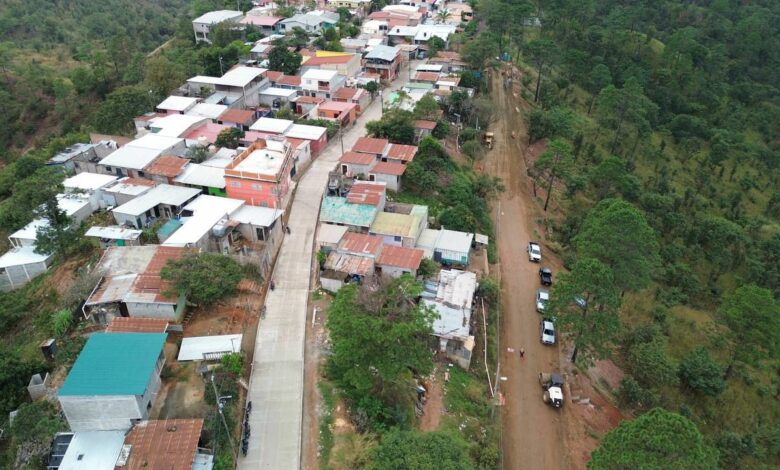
(658, 125)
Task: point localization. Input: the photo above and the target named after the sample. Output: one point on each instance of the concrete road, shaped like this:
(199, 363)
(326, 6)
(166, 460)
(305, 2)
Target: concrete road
(276, 384)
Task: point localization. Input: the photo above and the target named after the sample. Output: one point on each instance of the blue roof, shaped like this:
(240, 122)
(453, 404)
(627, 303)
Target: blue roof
(336, 210)
(114, 364)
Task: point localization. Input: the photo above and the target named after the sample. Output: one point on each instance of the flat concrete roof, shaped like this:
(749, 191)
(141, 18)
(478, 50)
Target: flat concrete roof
(262, 161)
(272, 125)
(88, 181)
(197, 347)
(177, 103)
(93, 449)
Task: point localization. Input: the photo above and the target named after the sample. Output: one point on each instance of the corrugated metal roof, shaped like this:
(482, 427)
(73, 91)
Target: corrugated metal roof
(137, 325)
(402, 152)
(114, 232)
(114, 364)
(367, 193)
(163, 444)
(451, 240)
(350, 264)
(361, 244)
(330, 234)
(337, 210)
(400, 257)
(370, 145)
(197, 348)
(423, 124)
(356, 158)
(389, 168)
(167, 165)
(389, 223)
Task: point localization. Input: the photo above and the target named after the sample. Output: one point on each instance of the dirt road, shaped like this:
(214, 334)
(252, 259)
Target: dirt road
(533, 433)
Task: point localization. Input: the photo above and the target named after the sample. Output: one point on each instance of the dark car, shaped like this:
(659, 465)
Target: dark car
(545, 275)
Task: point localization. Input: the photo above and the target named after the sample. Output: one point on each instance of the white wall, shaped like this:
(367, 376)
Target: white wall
(394, 271)
(393, 182)
(101, 413)
(151, 310)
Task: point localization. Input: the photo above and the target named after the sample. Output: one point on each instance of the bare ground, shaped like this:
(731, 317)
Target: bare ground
(434, 405)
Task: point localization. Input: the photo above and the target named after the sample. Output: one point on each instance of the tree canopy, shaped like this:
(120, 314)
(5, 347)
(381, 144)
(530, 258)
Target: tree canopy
(413, 450)
(194, 274)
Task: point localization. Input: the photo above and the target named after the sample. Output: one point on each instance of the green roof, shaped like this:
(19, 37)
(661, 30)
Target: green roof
(114, 364)
(336, 210)
(169, 227)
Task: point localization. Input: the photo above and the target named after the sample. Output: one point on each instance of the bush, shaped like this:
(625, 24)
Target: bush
(701, 374)
(193, 276)
(61, 322)
(232, 363)
(631, 394)
(489, 290)
(650, 364)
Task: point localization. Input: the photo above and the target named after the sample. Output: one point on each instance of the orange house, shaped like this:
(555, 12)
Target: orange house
(260, 175)
(346, 113)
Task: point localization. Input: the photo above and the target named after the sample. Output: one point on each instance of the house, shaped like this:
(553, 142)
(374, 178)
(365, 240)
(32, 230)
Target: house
(329, 236)
(450, 61)
(163, 201)
(175, 125)
(166, 168)
(202, 25)
(401, 34)
(211, 111)
(378, 148)
(371, 193)
(426, 77)
(337, 211)
(83, 157)
(267, 25)
(77, 207)
(176, 105)
(374, 28)
(354, 45)
(396, 261)
(353, 259)
(113, 382)
(90, 185)
(98, 450)
(240, 85)
(115, 235)
(384, 61)
(343, 63)
(131, 159)
(277, 98)
(453, 297)
(261, 174)
(20, 265)
(402, 227)
(423, 128)
(389, 173)
(459, 13)
(289, 82)
(400, 153)
(358, 96)
(165, 444)
(261, 235)
(341, 112)
(321, 83)
(448, 247)
(447, 82)
(354, 164)
(126, 189)
(199, 220)
(426, 31)
(241, 118)
(205, 178)
(204, 134)
(311, 22)
(352, 5)
(360, 244)
(316, 136)
(306, 104)
(131, 285)
(271, 125)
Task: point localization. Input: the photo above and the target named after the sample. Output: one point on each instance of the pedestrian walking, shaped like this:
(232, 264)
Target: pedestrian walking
(287, 229)
(522, 353)
(272, 285)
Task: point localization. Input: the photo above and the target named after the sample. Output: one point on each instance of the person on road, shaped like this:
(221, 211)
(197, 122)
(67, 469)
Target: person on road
(522, 353)
(287, 229)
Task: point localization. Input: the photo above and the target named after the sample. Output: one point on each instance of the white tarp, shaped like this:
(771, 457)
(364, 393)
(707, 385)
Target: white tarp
(199, 348)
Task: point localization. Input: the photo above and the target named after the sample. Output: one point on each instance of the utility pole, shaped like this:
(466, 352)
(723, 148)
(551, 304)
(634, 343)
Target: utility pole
(341, 136)
(220, 405)
(221, 72)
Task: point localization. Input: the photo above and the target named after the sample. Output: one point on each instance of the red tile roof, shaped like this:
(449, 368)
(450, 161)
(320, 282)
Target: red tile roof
(389, 168)
(356, 158)
(339, 106)
(370, 145)
(336, 59)
(208, 130)
(345, 93)
(241, 116)
(309, 100)
(259, 20)
(167, 165)
(400, 257)
(137, 325)
(169, 444)
(426, 77)
(404, 153)
(366, 193)
(273, 75)
(149, 282)
(360, 243)
(289, 80)
(423, 124)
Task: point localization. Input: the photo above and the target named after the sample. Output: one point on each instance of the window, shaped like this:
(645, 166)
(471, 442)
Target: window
(141, 174)
(108, 169)
(257, 187)
(397, 238)
(235, 184)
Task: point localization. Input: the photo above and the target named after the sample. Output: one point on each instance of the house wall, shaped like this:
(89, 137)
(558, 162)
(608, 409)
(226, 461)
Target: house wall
(102, 413)
(127, 219)
(14, 277)
(331, 285)
(355, 169)
(259, 193)
(451, 256)
(394, 271)
(82, 214)
(393, 182)
(318, 145)
(152, 310)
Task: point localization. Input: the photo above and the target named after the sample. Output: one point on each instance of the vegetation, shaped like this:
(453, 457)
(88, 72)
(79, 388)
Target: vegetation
(420, 451)
(283, 60)
(657, 439)
(193, 277)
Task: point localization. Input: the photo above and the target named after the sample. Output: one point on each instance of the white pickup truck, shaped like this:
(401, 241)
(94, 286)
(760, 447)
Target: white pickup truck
(534, 252)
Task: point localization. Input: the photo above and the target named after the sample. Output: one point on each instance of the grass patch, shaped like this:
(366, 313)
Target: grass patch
(434, 205)
(326, 423)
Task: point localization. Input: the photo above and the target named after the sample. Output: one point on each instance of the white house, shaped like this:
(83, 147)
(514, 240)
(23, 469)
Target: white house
(202, 25)
(311, 22)
(163, 201)
(321, 83)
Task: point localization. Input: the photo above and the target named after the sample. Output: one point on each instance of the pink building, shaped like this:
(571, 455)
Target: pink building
(260, 175)
(345, 113)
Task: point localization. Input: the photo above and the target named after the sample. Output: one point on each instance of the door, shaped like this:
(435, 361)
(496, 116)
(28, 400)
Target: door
(123, 309)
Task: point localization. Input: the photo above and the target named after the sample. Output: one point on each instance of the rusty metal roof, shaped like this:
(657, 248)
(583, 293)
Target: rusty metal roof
(356, 158)
(361, 244)
(366, 193)
(167, 165)
(402, 152)
(400, 257)
(370, 145)
(389, 168)
(137, 325)
(350, 264)
(169, 444)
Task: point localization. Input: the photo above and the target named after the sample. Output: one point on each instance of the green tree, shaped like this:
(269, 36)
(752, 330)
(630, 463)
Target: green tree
(473, 150)
(427, 107)
(599, 77)
(617, 107)
(115, 115)
(651, 365)
(753, 316)
(700, 373)
(161, 75)
(15, 374)
(435, 44)
(479, 51)
(413, 450)
(57, 235)
(657, 439)
(558, 121)
(372, 87)
(617, 234)
(379, 336)
(542, 53)
(229, 137)
(555, 163)
(585, 303)
(193, 277)
(232, 363)
(283, 60)
(396, 125)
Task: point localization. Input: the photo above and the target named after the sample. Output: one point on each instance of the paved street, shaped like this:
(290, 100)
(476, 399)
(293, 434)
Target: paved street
(276, 385)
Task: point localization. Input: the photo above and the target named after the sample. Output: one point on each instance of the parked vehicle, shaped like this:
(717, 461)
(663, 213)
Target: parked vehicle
(542, 296)
(545, 275)
(547, 331)
(552, 383)
(534, 252)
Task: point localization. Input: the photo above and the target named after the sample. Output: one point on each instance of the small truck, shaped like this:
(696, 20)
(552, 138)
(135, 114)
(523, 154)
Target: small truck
(552, 383)
(488, 140)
